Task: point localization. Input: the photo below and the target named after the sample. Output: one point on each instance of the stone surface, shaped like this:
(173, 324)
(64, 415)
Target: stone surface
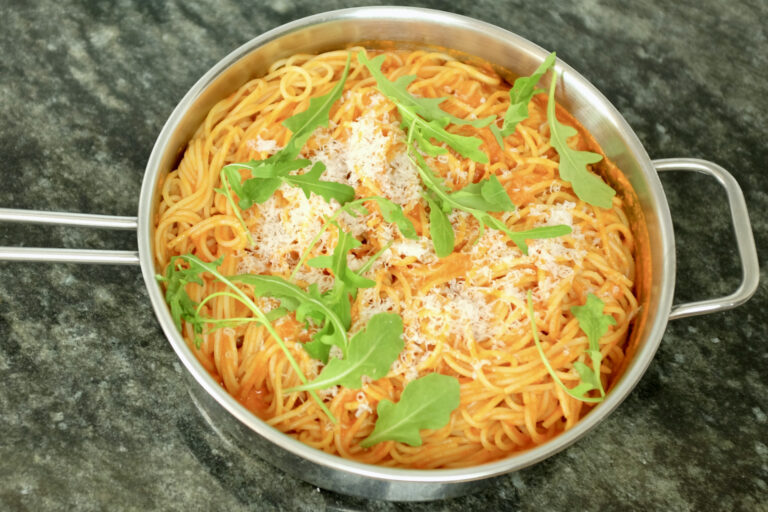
(94, 413)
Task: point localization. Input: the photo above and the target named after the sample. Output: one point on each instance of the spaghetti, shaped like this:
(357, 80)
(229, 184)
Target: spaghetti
(464, 315)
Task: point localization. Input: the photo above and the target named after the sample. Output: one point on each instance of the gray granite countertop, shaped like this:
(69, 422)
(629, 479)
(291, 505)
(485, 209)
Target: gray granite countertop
(94, 412)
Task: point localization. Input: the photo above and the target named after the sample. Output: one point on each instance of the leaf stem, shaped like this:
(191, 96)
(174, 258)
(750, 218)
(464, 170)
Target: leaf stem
(551, 370)
(372, 259)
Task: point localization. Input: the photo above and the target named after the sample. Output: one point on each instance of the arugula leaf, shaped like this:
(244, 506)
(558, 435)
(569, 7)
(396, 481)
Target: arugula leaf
(345, 285)
(337, 262)
(440, 229)
(397, 91)
(306, 305)
(393, 213)
(423, 117)
(468, 147)
(310, 182)
(594, 324)
(589, 379)
(488, 195)
(371, 353)
(588, 187)
(182, 307)
(260, 188)
(316, 115)
(318, 350)
(267, 178)
(198, 266)
(425, 403)
(268, 174)
(520, 96)
(330, 310)
(519, 237)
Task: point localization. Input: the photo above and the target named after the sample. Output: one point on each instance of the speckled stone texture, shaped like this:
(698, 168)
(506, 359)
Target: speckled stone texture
(94, 413)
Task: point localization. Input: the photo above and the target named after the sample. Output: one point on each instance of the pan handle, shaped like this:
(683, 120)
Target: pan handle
(750, 269)
(68, 255)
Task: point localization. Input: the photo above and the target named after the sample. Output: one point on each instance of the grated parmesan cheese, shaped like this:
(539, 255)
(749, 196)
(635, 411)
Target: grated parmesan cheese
(547, 254)
(281, 234)
(263, 146)
(421, 249)
(370, 303)
(363, 405)
(329, 393)
(368, 157)
(335, 353)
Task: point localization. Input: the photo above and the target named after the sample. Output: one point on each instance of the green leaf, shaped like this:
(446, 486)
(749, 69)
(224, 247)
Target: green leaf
(423, 116)
(585, 373)
(542, 232)
(468, 147)
(267, 177)
(440, 229)
(493, 192)
(393, 213)
(589, 379)
(397, 91)
(425, 403)
(477, 123)
(337, 299)
(231, 175)
(272, 167)
(306, 305)
(316, 349)
(428, 178)
(344, 276)
(594, 324)
(592, 320)
(520, 96)
(310, 183)
(316, 115)
(324, 261)
(371, 353)
(345, 285)
(257, 191)
(520, 237)
(181, 306)
(588, 186)
(488, 195)
(291, 297)
(423, 142)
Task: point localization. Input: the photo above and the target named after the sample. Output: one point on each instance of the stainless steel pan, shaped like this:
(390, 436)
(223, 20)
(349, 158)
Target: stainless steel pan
(415, 28)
